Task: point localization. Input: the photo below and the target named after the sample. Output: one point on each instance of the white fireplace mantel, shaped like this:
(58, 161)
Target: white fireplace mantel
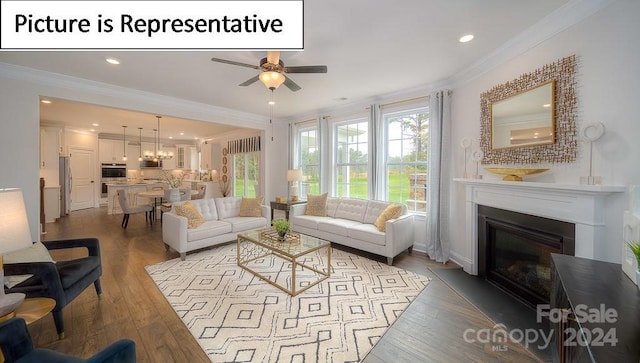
(582, 205)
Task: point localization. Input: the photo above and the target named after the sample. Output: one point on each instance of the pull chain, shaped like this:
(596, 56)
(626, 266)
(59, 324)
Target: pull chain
(271, 103)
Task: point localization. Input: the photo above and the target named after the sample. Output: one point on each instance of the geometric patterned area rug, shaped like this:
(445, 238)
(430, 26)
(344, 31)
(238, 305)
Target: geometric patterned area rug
(237, 317)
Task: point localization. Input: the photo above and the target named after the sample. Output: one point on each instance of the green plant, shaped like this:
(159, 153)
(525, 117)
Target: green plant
(635, 248)
(282, 226)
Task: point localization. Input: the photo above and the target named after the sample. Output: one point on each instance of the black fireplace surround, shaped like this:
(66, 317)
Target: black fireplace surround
(514, 251)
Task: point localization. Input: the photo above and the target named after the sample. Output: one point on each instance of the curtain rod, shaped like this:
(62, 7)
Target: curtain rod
(300, 122)
(401, 102)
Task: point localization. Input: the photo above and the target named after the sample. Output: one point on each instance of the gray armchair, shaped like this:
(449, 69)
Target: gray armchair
(62, 281)
(17, 346)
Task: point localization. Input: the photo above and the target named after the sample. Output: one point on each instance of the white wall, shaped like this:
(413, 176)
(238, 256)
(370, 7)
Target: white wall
(20, 90)
(608, 90)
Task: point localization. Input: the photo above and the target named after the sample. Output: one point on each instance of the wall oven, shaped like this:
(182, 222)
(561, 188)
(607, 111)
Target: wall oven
(111, 173)
(114, 170)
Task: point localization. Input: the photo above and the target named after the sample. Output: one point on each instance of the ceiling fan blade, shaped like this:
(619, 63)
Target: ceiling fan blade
(305, 69)
(291, 84)
(273, 57)
(249, 81)
(234, 63)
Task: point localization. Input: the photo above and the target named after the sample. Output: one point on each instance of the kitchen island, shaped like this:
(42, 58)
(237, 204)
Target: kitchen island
(132, 189)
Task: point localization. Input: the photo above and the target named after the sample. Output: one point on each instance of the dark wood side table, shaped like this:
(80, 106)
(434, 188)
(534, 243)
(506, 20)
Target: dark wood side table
(589, 291)
(285, 207)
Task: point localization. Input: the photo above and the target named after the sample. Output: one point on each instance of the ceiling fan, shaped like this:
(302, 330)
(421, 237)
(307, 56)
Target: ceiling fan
(272, 71)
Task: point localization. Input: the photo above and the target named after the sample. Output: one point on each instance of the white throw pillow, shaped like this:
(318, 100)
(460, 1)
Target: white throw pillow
(36, 253)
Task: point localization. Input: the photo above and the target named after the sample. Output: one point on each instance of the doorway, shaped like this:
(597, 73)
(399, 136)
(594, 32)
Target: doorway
(82, 178)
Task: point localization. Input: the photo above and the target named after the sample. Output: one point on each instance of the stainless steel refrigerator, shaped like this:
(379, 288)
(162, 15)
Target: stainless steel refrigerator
(65, 185)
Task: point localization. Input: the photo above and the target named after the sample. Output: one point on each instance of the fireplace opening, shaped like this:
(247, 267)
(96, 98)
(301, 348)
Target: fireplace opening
(514, 251)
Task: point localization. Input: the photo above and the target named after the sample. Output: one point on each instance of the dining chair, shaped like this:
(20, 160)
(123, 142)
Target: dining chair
(200, 192)
(128, 209)
(185, 194)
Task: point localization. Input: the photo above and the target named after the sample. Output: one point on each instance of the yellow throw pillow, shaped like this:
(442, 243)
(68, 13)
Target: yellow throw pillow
(194, 218)
(392, 211)
(251, 207)
(316, 205)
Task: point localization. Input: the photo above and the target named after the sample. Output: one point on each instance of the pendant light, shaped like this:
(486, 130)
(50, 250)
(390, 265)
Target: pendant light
(140, 140)
(158, 154)
(124, 143)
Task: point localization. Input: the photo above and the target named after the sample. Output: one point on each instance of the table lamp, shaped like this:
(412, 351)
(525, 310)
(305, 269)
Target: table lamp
(14, 236)
(294, 176)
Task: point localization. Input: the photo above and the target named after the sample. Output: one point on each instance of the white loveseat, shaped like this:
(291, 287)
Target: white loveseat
(222, 223)
(350, 221)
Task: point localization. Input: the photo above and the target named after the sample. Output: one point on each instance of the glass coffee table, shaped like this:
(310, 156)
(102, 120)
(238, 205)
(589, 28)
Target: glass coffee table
(293, 265)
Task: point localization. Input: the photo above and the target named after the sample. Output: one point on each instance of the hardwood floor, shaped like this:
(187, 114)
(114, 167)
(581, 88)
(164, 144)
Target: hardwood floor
(131, 306)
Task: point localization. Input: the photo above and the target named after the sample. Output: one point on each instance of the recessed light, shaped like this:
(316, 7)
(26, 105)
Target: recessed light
(466, 38)
(170, 137)
(92, 130)
(114, 61)
(182, 134)
(272, 103)
(95, 124)
(45, 101)
(546, 105)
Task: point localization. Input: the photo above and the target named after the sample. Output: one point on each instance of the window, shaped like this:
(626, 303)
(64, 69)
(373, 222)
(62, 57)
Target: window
(406, 153)
(245, 174)
(309, 161)
(351, 157)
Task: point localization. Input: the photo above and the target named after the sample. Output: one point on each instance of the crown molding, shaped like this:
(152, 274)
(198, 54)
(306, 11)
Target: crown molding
(564, 17)
(220, 114)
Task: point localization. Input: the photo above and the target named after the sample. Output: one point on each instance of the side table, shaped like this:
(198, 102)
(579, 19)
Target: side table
(285, 207)
(32, 309)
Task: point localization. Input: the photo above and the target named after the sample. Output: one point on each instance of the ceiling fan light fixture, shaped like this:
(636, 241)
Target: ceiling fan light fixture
(272, 79)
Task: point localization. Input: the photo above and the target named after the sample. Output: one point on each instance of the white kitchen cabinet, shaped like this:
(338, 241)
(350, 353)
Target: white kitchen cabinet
(110, 150)
(183, 156)
(169, 164)
(205, 156)
(133, 152)
(50, 147)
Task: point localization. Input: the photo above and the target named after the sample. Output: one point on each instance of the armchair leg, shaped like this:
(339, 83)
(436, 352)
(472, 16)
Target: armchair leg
(98, 287)
(390, 261)
(124, 219)
(59, 321)
(410, 249)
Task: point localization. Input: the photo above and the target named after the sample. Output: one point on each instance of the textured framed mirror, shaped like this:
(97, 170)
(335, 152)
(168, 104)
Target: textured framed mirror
(498, 145)
(525, 119)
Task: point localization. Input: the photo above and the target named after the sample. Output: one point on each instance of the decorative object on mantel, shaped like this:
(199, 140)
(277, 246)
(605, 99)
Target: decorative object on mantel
(465, 143)
(564, 149)
(477, 156)
(591, 133)
(515, 174)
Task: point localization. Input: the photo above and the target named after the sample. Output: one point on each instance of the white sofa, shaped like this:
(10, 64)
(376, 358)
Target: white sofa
(350, 221)
(222, 223)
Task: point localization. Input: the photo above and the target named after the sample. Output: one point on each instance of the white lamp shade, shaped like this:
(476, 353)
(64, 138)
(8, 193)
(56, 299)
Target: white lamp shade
(14, 225)
(294, 175)
(272, 79)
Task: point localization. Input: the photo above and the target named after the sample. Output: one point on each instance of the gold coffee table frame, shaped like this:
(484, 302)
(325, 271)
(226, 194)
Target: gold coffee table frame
(254, 245)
